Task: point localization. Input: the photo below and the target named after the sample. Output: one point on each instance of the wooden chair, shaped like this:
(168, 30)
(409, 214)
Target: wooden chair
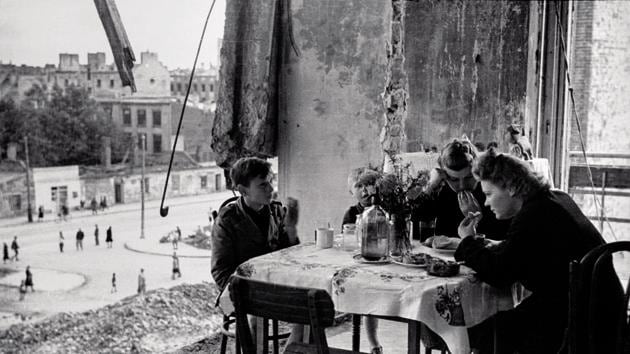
(303, 306)
(586, 280)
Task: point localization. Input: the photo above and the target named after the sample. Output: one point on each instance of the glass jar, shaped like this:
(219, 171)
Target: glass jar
(374, 229)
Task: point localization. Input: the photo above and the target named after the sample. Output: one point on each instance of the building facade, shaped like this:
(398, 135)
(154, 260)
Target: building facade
(57, 186)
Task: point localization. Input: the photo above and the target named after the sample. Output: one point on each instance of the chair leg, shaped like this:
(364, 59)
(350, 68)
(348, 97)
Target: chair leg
(224, 340)
(276, 342)
(356, 332)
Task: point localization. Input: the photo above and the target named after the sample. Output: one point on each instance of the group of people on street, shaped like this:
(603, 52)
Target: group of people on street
(469, 194)
(109, 238)
(14, 247)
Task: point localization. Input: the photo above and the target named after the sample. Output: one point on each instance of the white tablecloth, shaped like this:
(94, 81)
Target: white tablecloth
(446, 305)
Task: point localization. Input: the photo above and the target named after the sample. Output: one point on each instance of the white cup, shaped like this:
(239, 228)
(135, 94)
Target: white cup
(324, 237)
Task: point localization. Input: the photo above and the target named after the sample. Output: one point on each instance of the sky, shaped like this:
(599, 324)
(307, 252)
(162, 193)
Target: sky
(34, 32)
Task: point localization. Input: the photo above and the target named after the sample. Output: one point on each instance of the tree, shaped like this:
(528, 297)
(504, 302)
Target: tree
(64, 127)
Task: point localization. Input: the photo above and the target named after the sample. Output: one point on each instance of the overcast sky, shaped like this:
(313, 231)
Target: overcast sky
(34, 32)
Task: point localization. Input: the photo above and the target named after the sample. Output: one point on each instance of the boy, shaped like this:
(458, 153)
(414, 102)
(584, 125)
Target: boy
(362, 185)
(252, 225)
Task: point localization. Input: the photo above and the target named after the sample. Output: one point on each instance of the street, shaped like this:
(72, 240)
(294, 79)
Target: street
(79, 280)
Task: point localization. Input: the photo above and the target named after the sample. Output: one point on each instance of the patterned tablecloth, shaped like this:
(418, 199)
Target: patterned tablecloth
(446, 305)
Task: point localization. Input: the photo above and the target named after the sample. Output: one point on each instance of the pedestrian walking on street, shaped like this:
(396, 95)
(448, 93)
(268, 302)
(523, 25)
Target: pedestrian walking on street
(96, 234)
(109, 239)
(40, 213)
(65, 211)
(113, 283)
(22, 290)
(61, 242)
(176, 267)
(5, 253)
(174, 240)
(179, 233)
(94, 206)
(80, 236)
(142, 282)
(29, 279)
(15, 247)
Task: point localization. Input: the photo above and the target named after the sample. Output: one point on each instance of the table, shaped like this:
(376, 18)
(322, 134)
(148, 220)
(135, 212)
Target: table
(448, 306)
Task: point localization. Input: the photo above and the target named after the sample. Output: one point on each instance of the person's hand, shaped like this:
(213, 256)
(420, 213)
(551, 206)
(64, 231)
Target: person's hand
(467, 202)
(291, 219)
(468, 226)
(293, 211)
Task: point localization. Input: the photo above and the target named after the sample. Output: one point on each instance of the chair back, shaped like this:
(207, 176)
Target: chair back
(598, 306)
(304, 306)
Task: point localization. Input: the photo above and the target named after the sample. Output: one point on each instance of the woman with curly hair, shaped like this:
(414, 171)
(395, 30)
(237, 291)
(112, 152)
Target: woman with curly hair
(547, 231)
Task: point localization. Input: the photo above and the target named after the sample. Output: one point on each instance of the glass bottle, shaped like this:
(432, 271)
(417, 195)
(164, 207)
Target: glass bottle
(374, 233)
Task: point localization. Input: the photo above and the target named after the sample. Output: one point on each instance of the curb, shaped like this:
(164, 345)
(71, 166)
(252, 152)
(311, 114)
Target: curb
(160, 254)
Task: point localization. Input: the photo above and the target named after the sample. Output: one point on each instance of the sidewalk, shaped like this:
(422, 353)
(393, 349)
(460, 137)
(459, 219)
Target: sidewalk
(120, 208)
(154, 247)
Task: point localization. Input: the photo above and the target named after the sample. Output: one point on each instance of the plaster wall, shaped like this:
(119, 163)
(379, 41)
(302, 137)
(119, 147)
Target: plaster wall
(331, 108)
(466, 63)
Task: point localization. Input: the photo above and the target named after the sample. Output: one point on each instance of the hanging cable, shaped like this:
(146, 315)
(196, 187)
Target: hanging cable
(578, 125)
(163, 209)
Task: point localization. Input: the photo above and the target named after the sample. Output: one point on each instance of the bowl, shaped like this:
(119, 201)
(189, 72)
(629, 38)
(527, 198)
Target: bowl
(442, 268)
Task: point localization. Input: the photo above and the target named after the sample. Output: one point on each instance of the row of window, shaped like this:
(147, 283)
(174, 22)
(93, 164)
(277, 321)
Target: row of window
(141, 114)
(194, 87)
(157, 142)
(111, 83)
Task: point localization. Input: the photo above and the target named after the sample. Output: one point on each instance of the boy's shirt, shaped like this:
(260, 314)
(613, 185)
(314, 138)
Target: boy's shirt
(236, 238)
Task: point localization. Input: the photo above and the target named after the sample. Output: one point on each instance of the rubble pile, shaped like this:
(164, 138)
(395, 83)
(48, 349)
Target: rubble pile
(161, 320)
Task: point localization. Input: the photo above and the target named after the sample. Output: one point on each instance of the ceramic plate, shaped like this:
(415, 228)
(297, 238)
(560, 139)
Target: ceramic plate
(358, 258)
(410, 265)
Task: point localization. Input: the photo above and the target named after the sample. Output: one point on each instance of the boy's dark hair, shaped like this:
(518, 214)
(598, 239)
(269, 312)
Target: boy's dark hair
(248, 168)
(457, 155)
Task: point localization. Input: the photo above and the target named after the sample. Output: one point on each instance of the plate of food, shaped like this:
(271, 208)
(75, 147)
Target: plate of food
(413, 260)
(383, 260)
(442, 268)
(442, 244)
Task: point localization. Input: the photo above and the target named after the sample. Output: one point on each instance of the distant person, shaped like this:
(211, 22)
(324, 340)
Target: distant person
(5, 253)
(29, 279)
(96, 234)
(94, 206)
(40, 213)
(80, 236)
(109, 238)
(22, 290)
(179, 233)
(176, 267)
(15, 247)
(142, 282)
(61, 242)
(174, 240)
(65, 211)
(103, 203)
(113, 283)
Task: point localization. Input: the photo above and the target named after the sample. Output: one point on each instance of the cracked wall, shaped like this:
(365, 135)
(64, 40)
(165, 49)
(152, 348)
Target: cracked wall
(466, 63)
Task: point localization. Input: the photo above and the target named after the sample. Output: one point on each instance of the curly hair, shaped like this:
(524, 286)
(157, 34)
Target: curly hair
(248, 168)
(508, 172)
(457, 155)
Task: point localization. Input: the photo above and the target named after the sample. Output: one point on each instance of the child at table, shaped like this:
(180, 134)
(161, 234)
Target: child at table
(362, 185)
(252, 225)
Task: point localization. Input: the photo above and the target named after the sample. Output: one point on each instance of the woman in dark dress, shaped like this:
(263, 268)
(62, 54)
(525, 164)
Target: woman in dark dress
(547, 231)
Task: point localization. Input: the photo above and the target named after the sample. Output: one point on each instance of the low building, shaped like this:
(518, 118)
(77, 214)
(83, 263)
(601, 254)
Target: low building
(13, 189)
(57, 186)
(122, 183)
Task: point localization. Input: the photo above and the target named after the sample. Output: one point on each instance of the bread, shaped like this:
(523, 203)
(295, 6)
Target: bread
(445, 242)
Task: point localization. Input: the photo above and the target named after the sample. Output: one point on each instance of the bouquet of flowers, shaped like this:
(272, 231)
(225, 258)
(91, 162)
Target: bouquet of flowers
(393, 190)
